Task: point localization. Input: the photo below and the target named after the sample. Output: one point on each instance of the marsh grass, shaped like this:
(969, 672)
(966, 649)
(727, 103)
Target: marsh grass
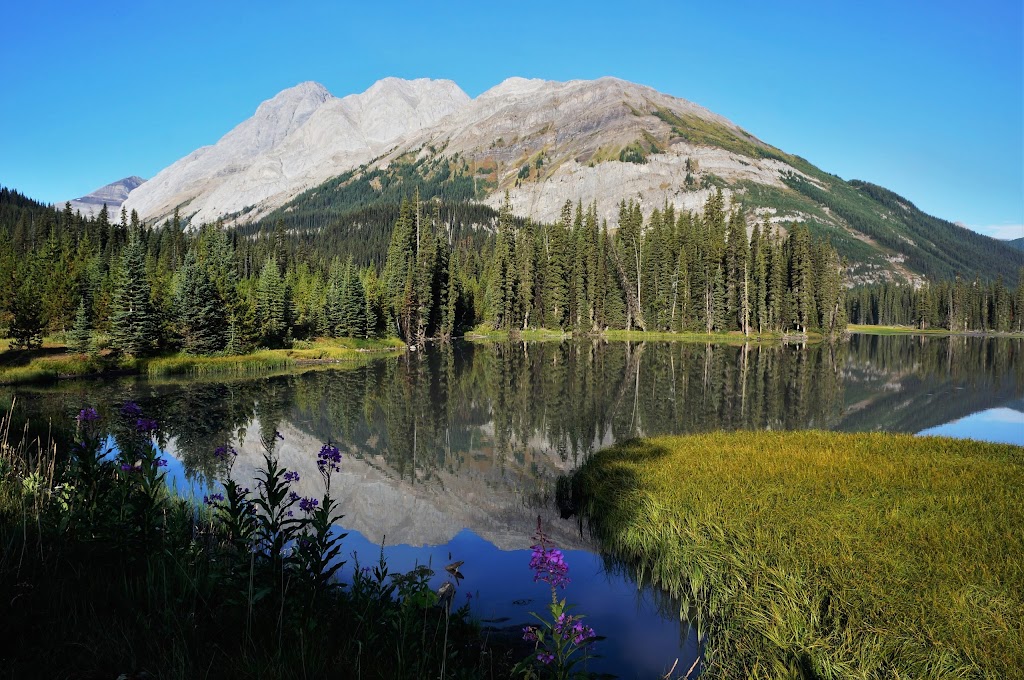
(824, 555)
(53, 362)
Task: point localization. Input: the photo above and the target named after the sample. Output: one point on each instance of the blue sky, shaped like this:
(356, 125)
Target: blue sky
(925, 98)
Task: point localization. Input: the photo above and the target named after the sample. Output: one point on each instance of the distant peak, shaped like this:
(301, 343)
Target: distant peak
(515, 86)
(308, 91)
(417, 85)
(307, 88)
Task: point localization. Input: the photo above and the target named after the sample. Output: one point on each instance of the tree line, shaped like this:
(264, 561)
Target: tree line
(957, 305)
(141, 289)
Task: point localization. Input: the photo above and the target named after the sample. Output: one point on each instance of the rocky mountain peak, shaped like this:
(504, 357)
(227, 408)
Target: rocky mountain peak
(112, 195)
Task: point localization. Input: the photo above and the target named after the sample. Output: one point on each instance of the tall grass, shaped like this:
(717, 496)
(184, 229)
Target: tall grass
(104, 572)
(250, 364)
(823, 555)
(22, 367)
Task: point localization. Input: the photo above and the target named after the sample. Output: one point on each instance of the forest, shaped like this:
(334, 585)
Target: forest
(138, 289)
(957, 306)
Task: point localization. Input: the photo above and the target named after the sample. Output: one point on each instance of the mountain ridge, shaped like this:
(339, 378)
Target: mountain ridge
(112, 195)
(542, 143)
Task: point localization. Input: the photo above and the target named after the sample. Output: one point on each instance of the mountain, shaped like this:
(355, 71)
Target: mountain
(1017, 243)
(337, 168)
(112, 195)
(296, 140)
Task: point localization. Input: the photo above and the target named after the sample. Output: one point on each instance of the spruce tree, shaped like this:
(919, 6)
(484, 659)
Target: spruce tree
(271, 305)
(27, 323)
(201, 319)
(80, 336)
(132, 327)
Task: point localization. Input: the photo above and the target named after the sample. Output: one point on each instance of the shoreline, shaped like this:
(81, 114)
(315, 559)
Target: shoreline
(792, 543)
(868, 329)
(68, 366)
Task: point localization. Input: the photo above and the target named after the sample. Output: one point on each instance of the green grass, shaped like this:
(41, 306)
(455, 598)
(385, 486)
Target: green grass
(913, 330)
(484, 334)
(732, 338)
(825, 555)
(52, 363)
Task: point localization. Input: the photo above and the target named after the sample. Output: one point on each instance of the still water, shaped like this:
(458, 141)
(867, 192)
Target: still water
(453, 453)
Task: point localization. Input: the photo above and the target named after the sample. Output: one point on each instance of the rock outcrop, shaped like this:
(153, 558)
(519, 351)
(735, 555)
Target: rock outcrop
(294, 141)
(112, 195)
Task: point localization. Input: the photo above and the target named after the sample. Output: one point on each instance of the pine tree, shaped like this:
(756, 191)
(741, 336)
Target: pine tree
(80, 336)
(353, 305)
(133, 328)
(202, 325)
(27, 323)
(270, 305)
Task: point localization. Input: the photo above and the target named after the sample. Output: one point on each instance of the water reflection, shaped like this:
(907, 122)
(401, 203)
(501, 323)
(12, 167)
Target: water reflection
(458, 449)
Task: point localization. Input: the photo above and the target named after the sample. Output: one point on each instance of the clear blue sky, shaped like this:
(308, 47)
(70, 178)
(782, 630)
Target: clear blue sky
(925, 98)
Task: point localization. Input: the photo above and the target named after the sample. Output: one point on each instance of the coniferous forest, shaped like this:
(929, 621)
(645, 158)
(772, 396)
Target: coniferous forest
(139, 289)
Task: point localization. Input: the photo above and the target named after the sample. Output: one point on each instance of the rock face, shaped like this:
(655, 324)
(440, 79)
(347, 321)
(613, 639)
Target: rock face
(111, 195)
(572, 136)
(294, 141)
(579, 130)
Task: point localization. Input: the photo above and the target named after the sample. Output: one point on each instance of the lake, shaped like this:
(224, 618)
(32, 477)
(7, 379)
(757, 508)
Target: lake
(452, 453)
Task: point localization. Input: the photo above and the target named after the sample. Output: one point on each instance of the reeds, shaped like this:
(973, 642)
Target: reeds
(825, 555)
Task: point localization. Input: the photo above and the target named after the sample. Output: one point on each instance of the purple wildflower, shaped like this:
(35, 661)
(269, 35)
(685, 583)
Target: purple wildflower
(530, 633)
(131, 410)
(291, 476)
(88, 414)
(126, 467)
(161, 462)
(583, 633)
(548, 563)
(293, 497)
(145, 425)
(545, 657)
(308, 504)
(329, 459)
(213, 498)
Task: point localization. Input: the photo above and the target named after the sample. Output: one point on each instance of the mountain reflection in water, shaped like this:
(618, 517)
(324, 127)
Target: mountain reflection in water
(456, 450)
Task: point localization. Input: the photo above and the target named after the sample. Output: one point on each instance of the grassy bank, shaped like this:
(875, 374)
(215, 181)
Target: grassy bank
(824, 555)
(540, 334)
(913, 330)
(54, 362)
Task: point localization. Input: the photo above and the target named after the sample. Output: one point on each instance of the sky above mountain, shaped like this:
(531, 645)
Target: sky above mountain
(925, 98)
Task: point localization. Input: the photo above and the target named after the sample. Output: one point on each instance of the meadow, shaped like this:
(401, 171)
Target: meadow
(825, 555)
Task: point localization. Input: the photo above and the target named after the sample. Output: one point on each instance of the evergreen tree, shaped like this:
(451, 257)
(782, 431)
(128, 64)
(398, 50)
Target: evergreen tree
(26, 331)
(270, 306)
(80, 336)
(133, 328)
(202, 325)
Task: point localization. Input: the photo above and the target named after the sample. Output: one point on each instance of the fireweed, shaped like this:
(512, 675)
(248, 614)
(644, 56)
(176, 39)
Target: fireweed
(245, 583)
(286, 537)
(561, 641)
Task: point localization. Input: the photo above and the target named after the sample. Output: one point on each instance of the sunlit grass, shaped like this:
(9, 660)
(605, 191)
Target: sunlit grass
(17, 367)
(813, 554)
(913, 330)
(538, 334)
